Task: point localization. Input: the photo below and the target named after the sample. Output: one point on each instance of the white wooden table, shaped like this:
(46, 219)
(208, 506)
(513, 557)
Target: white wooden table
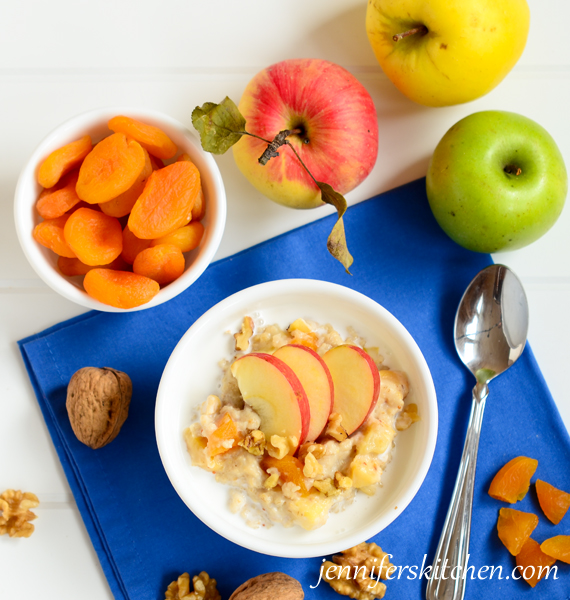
(63, 57)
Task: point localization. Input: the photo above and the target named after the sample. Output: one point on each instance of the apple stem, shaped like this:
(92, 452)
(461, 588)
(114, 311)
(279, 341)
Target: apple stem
(422, 30)
(512, 170)
(278, 141)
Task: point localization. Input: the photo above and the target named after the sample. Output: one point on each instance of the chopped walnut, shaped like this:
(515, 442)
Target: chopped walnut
(254, 442)
(342, 481)
(326, 487)
(356, 572)
(407, 417)
(312, 466)
(204, 588)
(242, 337)
(317, 450)
(16, 514)
(272, 480)
(278, 446)
(335, 429)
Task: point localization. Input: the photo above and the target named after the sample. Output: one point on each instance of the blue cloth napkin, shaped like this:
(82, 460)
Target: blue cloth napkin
(145, 536)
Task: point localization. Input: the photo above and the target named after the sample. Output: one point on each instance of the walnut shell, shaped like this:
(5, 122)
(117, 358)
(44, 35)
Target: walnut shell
(269, 586)
(98, 404)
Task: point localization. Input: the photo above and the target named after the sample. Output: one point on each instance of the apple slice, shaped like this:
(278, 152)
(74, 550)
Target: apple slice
(356, 384)
(273, 390)
(316, 380)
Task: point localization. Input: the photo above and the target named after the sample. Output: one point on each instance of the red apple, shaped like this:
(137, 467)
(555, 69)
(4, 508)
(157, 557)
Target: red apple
(316, 380)
(338, 130)
(356, 384)
(273, 390)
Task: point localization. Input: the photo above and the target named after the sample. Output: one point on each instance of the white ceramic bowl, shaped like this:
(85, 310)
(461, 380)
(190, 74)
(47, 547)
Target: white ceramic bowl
(192, 373)
(94, 122)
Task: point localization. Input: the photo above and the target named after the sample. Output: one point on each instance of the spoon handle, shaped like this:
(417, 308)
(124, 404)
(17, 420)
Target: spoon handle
(448, 575)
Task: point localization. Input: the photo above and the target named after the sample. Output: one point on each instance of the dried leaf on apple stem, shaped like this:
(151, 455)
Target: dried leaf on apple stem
(220, 125)
(336, 242)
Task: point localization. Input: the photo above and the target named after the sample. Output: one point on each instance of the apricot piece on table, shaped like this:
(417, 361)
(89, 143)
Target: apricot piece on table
(123, 203)
(225, 437)
(166, 202)
(554, 502)
(186, 238)
(199, 208)
(120, 288)
(62, 160)
(512, 481)
(153, 139)
(163, 263)
(514, 528)
(57, 200)
(290, 469)
(132, 245)
(557, 547)
(533, 563)
(110, 169)
(50, 233)
(96, 238)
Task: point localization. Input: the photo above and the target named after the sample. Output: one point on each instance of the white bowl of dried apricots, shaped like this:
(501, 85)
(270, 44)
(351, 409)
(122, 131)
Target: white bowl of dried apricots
(120, 209)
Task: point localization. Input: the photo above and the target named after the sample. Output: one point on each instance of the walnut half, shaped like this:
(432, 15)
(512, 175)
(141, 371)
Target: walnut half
(204, 588)
(15, 512)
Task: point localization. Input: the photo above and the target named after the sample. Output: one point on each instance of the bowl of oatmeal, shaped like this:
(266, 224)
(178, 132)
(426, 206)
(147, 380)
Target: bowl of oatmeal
(294, 495)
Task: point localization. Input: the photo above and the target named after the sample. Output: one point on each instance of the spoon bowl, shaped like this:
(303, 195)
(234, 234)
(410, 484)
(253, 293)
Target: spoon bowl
(491, 326)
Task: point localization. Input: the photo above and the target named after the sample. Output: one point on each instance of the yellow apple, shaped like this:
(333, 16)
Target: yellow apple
(440, 53)
(337, 127)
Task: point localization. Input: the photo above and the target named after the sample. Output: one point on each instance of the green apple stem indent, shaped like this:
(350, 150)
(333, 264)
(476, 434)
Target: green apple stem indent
(421, 29)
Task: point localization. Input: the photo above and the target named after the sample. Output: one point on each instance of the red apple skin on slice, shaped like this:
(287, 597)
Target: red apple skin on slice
(273, 390)
(356, 384)
(316, 380)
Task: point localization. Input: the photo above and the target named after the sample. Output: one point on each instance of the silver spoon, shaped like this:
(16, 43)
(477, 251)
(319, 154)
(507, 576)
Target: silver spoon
(491, 326)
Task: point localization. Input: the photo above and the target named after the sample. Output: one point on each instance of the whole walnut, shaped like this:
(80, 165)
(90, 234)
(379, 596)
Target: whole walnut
(269, 586)
(98, 404)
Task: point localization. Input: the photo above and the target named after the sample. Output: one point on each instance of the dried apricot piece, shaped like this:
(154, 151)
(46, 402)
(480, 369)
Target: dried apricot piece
(557, 547)
(512, 481)
(186, 238)
(533, 563)
(163, 263)
(62, 160)
(120, 288)
(73, 266)
(514, 528)
(50, 233)
(123, 203)
(554, 502)
(110, 169)
(153, 139)
(156, 163)
(166, 202)
(199, 208)
(225, 437)
(57, 200)
(132, 245)
(96, 238)
(290, 468)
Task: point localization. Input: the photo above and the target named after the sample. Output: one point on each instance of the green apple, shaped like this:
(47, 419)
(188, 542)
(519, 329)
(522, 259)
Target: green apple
(439, 52)
(496, 181)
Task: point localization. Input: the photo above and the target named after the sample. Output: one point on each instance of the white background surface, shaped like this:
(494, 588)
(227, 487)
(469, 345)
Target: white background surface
(63, 57)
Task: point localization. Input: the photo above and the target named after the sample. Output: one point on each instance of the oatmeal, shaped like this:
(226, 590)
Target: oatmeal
(279, 434)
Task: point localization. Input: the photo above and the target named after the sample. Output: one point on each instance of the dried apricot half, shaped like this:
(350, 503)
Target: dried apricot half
(56, 201)
(110, 169)
(50, 233)
(532, 563)
(163, 263)
(153, 139)
(557, 547)
(166, 202)
(554, 502)
(514, 528)
(96, 238)
(120, 288)
(62, 160)
(512, 481)
(186, 238)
